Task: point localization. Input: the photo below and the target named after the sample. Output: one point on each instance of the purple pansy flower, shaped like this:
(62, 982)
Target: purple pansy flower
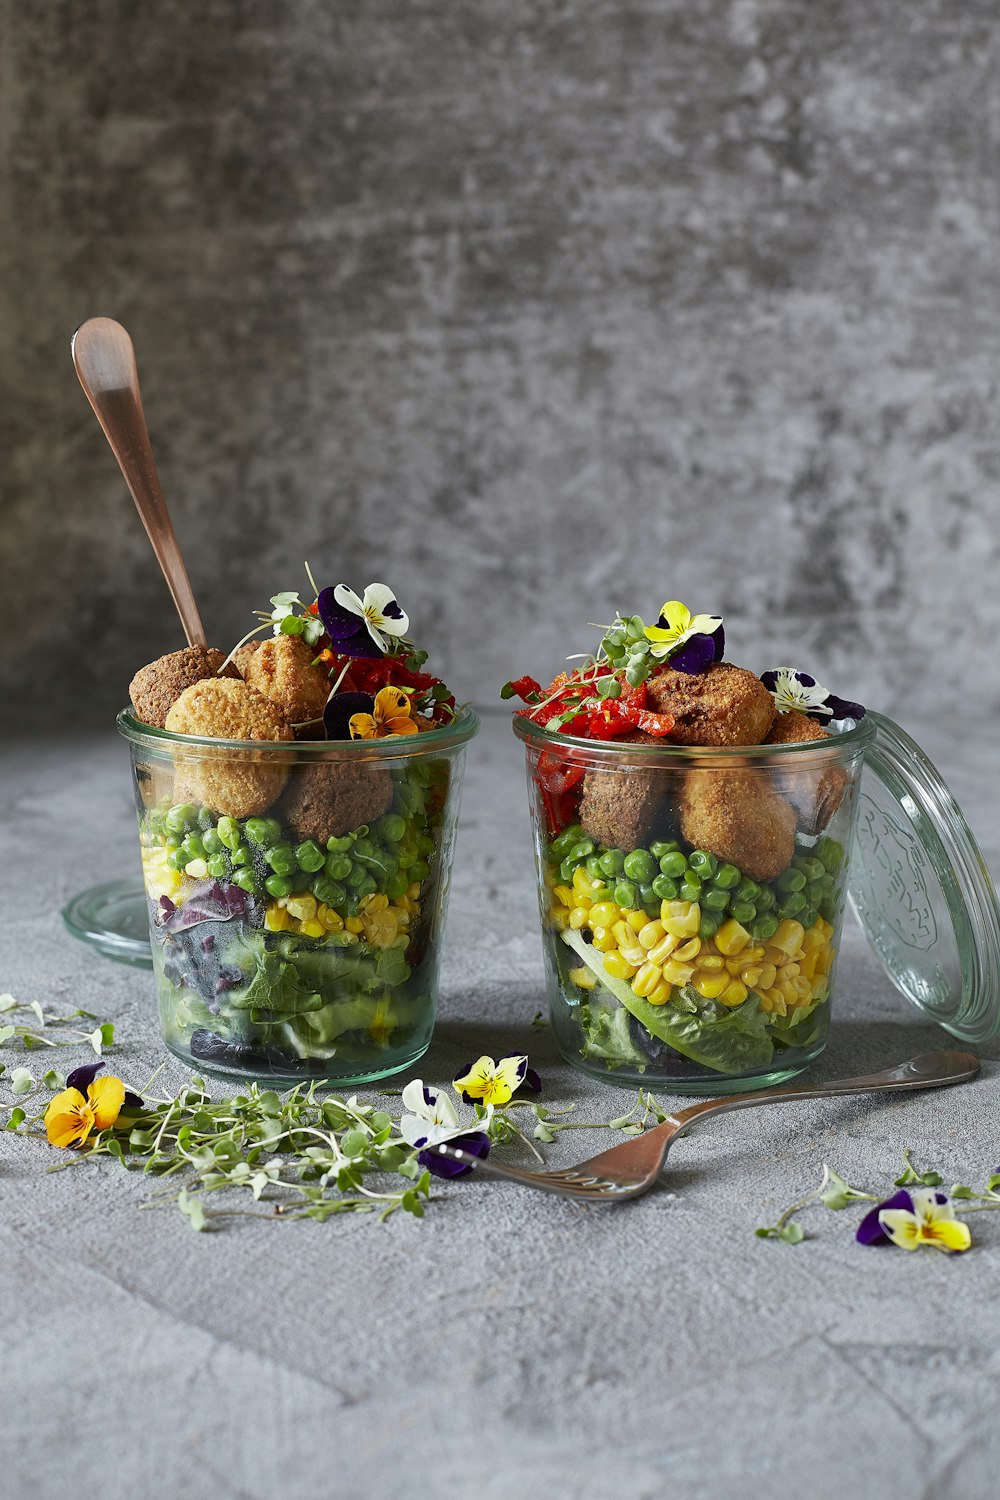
(925, 1216)
(798, 690)
(690, 643)
(359, 627)
(433, 1119)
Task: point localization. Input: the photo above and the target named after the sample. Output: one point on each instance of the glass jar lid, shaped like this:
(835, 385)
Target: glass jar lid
(919, 886)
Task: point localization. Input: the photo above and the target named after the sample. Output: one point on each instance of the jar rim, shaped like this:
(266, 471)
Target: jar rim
(409, 746)
(855, 738)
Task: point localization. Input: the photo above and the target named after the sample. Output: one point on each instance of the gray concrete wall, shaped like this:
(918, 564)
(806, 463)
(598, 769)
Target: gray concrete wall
(532, 309)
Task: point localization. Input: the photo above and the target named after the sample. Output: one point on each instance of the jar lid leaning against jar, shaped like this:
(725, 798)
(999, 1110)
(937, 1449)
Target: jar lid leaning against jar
(698, 832)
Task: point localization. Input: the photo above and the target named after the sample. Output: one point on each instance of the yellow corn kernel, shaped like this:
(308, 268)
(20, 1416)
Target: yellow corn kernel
(646, 980)
(276, 918)
(618, 966)
(564, 894)
(688, 951)
(634, 955)
(682, 918)
(803, 989)
(413, 891)
(559, 917)
(820, 989)
(604, 914)
(650, 934)
(663, 949)
(813, 939)
(789, 936)
(623, 933)
(354, 924)
(579, 917)
(582, 883)
(377, 901)
(661, 994)
(583, 977)
(196, 868)
(332, 920)
(348, 938)
(776, 956)
(710, 962)
(380, 928)
(735, 993)
(825, 927)
(313, 929)
(807, 965)
(733, 965)
(604, 941)
(751, 976)
(732, 937)
(790, 971)
(675, 973)
(710, 986)
(636, 920)
(302, 908)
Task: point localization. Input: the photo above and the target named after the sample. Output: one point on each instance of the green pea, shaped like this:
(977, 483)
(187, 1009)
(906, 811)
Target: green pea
(640, 866)
(743, 911)
(242, 856)
(612, 863)
(581, 849)
(747, 890)
(714, 900)
(673, 864)
(219, 867)
(420, 870)
(812, 869)
(709, 925)
(763, 927)
(703, 863)
(278, 885)
(339, 845)
(396, 885)
(407, 856)
(425, 845)
(206, 818)
(790, 880)
(310, 857)
(808, 917)
(727, 877)
(626, 895)
(193, 846)
(766, 899)
(367, 887)
(565, 869)
(177, 858)
(211, 841)
(264, 832)
(793, 903)
(690, 888)
(648, 896)
(830, 911)
(357, 875)
(392, 827)
(179, 816)
(228, 831)
(329, 891)
(665, 888)
(362, 831)
(364, 848)
(830, 853)
(659, 847)
(338, 866)
(281, 858)
(247, 881)
(593, 866)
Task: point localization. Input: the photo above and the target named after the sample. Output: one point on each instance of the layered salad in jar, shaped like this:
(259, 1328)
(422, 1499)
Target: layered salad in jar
(691, 887)
(296, 891)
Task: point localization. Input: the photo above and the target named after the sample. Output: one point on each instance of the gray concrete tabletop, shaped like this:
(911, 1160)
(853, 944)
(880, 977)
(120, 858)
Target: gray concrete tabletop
(508, 1343)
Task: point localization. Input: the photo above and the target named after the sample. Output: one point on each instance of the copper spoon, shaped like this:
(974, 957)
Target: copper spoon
(105, 363)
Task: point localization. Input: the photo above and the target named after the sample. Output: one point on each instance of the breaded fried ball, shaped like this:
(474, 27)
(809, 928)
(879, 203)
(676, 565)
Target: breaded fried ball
(724, 705)
(236, 785)
(331, 798)
(626, 809)
(242, 655)
(816, 795)
(740, 818)
(282, 669)
(154, 688)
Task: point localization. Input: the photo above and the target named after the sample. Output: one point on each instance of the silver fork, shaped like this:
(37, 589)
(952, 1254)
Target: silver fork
(629, 1170)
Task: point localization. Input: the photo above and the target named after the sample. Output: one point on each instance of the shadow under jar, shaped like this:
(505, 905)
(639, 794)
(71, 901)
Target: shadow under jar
(297, 896)
(691, 902)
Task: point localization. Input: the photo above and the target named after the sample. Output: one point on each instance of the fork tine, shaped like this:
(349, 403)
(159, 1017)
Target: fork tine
(570, 1183)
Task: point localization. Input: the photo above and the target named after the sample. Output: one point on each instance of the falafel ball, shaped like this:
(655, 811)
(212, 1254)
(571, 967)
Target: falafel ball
(724, 705)
(282, 668)
(331, 798)
(242, 655)
(154, 688)
(237, 785)
(626, 809)
(816, 795)
(740, 818)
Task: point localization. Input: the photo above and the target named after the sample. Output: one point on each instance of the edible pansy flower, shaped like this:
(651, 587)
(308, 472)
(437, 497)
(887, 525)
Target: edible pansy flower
(359, 627)
(797, 690)
(391, 713)
(341, 708)
(72, 1114)
(489, 1082)
(690, 642)
(910, 1219)
(433, 1119)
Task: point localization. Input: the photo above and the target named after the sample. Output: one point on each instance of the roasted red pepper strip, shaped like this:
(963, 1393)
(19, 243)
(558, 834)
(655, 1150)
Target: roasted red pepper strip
(657, 725)
(557, 775)
(526, 688)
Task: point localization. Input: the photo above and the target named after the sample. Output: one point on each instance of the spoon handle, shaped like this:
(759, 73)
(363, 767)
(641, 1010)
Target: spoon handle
(930, 1070)
(105, 363)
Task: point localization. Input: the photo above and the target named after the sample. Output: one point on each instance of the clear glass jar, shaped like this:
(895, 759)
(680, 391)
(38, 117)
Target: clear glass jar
(297, 896)
(691, 902)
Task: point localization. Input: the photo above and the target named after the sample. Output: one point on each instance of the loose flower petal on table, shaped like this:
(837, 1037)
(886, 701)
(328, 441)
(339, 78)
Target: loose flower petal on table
(490, 1082)
(925, 1216)
(72, 1116)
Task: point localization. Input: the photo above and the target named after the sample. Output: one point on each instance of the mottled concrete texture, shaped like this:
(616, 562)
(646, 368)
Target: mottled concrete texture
(532, 309)
(509, 1346)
